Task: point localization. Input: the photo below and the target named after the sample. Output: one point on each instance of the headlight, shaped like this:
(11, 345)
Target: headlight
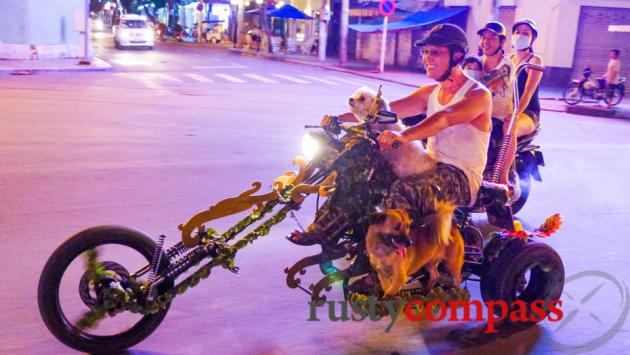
(310, 146)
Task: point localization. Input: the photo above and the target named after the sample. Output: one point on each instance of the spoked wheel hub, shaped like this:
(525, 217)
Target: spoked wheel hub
(92, 291)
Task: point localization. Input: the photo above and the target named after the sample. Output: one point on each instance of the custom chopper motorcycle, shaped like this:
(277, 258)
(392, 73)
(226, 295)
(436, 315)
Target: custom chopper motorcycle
(139, 282)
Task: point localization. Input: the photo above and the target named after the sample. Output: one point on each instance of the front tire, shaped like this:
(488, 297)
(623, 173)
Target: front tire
(49, 290)
(572, 94)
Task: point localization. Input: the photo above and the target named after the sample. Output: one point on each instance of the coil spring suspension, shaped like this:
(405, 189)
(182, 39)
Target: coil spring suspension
(176, 250)
(157, 257)
(500, 162)
(195, 256)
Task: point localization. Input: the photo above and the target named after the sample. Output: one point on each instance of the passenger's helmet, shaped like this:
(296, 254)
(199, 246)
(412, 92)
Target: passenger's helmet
(495, 27)
(529, 22)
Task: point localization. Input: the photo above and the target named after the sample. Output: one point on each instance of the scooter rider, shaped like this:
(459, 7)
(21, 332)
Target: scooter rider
(458, 127)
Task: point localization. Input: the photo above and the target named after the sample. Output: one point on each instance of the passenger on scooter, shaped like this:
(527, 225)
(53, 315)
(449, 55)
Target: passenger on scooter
(497, 73)
(472, 67)
(524, 34)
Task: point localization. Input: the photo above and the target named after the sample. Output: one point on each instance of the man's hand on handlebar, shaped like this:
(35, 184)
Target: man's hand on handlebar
(329, 120)
(391, 140)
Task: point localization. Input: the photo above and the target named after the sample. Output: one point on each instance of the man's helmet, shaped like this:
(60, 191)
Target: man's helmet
(494, 27)
(529, 22)
(447, 35)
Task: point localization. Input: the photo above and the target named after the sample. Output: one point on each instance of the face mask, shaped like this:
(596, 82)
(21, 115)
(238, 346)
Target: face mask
(521, 42)
(475, 74)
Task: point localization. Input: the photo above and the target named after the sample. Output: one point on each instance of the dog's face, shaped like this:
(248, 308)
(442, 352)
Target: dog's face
(361, 101)
(391, 230)
(387, 241)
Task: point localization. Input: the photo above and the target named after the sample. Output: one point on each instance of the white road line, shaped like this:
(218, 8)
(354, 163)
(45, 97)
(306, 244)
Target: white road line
(261, 78)
(319, 79)
(230, 78)
(146, 81)
(199, 78)
(163, 77)
(345, 81)
(231, 66)
(289, 78)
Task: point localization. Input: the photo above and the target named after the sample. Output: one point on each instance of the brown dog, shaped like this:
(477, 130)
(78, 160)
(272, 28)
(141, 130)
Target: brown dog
(396, 251)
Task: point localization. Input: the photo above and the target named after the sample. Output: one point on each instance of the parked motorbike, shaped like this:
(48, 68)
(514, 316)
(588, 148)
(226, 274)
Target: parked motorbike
(578, 90)
(136, 284)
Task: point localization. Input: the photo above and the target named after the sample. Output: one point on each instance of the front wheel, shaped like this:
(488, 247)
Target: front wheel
(617, 96)
(60, 305)
(572, 94)
(527, 272)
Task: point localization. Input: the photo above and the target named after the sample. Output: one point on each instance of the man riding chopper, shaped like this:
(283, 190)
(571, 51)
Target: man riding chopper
(458, 127)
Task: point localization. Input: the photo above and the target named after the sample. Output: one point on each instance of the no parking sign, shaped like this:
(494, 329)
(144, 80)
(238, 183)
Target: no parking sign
(386, 7)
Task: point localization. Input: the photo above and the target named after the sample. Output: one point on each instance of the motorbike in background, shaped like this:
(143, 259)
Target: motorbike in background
(578, 90)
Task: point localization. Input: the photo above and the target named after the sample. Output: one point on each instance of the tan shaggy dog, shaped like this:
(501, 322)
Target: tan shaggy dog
(397, 251)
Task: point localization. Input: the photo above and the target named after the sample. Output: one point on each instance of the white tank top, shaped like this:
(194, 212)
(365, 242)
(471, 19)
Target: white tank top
(461, 145)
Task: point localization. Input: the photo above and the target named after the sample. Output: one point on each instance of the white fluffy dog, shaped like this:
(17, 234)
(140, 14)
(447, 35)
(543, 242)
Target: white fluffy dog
(408, 159)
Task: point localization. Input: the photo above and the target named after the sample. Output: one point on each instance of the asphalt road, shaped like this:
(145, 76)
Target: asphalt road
(171, 131)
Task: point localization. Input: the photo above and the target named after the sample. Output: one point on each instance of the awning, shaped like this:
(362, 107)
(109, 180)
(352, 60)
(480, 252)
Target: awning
(288, 11)
(419, 19)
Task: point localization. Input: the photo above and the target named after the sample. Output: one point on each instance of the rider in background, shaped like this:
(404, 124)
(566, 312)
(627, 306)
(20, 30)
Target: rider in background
(612, 73)
(524, 34)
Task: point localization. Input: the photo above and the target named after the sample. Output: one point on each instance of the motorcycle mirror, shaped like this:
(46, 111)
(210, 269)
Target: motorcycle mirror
(386, 117)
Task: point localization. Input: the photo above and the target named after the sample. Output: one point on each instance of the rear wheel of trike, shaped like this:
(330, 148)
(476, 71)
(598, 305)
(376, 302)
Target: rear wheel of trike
(526, 272)
(120, 251)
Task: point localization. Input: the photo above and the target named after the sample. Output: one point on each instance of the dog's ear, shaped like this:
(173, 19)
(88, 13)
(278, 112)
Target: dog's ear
(404, 216)
(377, 218)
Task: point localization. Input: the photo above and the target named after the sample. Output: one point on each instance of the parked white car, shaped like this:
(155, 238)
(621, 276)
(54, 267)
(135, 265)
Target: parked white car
(133, 31)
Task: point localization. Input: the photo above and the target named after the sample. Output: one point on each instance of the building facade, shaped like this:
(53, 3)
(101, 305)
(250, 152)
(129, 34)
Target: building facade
(34, 29)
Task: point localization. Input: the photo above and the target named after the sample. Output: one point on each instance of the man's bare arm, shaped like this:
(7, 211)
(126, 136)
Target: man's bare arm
(412, 104)
(475, 103)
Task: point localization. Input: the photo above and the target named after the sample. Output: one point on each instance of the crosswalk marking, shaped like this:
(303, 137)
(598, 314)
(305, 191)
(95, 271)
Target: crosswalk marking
(163, 77)
(151, 79)
(261, 78)
(346, 81)
(319, 79)
(289, 78)
(199, 78)
(230, 78)
(147, 81)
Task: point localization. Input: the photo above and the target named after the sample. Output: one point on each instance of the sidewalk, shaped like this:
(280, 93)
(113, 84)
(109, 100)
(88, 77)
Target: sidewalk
(550, 98)
(25, 67)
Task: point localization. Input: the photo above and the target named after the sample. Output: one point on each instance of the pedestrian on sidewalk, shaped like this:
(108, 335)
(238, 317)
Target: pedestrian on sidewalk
(612, 75)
